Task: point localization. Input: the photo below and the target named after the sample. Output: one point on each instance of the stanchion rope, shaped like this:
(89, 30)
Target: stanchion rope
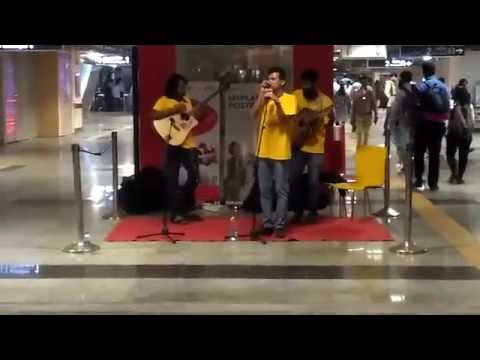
(96, 153)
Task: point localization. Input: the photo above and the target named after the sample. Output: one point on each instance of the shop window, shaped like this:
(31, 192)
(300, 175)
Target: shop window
(249, 63)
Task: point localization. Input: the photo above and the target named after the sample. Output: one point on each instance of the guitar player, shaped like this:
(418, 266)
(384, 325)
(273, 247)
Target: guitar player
(175, 102)
(311, 148)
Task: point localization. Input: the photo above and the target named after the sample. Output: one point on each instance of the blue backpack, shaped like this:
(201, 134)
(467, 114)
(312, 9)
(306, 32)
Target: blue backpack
(435, 100)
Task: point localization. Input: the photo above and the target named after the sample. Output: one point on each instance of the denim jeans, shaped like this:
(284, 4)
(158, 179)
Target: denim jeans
(428, 136)
(181, 199)
(315, 163)
(270, 173)
(401, 137)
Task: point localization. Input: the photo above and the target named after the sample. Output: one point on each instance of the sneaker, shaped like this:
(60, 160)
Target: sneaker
(452, 179)
(312, 218)
(179, 220)
(297, 219)
(264, 231)
(399, 168)
(280, 233)
(419, 187)
(193, 217)
(460, 181)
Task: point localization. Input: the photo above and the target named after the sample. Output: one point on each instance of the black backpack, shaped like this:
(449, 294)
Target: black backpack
(143, 194)
(410, 105)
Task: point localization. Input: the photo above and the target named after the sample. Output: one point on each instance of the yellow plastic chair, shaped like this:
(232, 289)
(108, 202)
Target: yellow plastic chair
(370, 174)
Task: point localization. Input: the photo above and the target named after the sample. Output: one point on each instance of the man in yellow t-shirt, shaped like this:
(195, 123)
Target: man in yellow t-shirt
(311, 152)
(174, 102)
(275, 110)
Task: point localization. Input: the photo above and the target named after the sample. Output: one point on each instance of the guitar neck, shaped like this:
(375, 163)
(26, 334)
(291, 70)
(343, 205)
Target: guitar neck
(221, 88)
(308, 113)
(326, 110)
(207, 100)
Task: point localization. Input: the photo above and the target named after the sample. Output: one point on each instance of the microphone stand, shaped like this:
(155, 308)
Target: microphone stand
(165, 230)
(255, 236)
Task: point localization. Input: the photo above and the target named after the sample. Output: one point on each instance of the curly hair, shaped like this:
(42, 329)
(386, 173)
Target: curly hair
(171, 86)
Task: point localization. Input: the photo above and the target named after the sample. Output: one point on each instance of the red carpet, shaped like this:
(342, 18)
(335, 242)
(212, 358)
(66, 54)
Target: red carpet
(207, 193)
(215, 229)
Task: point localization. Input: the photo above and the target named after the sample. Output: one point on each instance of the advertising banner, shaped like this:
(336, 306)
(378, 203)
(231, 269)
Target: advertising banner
(208, 141)
(240, 140)
(10, 116)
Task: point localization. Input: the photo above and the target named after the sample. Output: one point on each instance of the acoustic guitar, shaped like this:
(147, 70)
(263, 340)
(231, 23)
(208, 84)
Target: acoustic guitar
(308, 122)
(174, 129)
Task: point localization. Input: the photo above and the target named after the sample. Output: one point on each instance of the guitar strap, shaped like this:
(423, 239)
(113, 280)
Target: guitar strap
(317, 125)
(189, 104)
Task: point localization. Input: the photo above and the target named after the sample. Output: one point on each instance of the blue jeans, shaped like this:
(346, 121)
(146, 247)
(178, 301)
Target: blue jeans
(272, 172)
(315, 164)
(181, 199)
(401, 138)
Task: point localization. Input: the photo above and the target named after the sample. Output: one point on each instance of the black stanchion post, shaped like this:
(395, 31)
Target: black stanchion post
(83, 245)
(115, 174)
(114, 214)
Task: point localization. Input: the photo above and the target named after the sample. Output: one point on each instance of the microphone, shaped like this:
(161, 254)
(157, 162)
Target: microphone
(267, 86)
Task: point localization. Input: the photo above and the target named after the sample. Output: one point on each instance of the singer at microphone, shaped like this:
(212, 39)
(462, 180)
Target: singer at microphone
(267, 91)
(275, 111)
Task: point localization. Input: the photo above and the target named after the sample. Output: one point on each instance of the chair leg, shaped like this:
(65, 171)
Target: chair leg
(332, 199)
(369, 203)
(352, 199)
(340, 197)
(365, 202)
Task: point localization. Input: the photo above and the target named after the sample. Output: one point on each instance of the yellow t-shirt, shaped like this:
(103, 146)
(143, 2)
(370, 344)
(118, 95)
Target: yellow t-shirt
(276, 138)
(316, 143)
(165, 103)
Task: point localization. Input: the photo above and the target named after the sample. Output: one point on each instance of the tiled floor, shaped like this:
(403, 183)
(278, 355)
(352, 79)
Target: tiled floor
(38, 219)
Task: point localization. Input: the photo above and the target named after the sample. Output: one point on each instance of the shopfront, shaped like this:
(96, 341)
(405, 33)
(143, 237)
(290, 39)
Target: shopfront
(48, 91)
(36, 92)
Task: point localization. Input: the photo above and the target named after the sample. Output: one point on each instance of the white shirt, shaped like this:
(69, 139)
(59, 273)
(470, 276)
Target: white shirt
(390, 91)
(335, 86)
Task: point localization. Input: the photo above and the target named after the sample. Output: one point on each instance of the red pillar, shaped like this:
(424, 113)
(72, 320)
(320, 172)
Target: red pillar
(155, 64)
(320, 57)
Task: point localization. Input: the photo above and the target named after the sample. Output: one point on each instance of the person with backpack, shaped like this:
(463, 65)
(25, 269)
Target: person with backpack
(433, 111)
(459, 136)
(401, 117)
